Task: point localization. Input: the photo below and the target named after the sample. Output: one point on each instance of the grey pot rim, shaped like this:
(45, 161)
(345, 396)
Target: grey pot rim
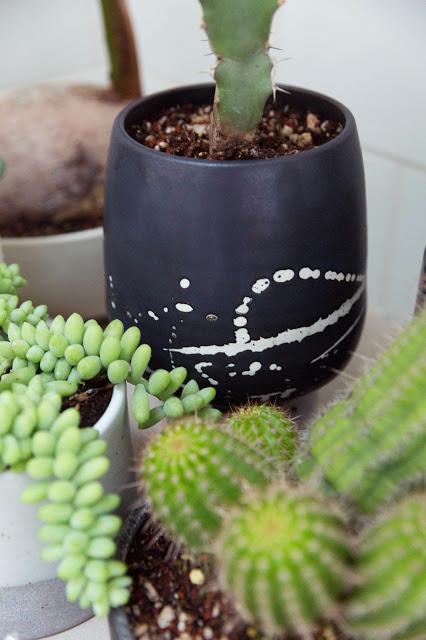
(349, 126)
(118, 622)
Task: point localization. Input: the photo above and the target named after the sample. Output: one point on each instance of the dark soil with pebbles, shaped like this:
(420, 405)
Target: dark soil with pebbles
(176, 599)
(183, 131)
(91, 399)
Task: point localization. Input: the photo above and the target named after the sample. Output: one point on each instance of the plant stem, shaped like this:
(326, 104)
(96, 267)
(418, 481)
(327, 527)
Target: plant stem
(120, 39)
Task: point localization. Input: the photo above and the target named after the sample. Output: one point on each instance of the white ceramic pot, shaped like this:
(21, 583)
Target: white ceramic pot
(64, 271)
(32, 600)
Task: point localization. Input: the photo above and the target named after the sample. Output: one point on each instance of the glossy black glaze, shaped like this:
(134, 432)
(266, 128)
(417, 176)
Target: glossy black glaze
(226, 225)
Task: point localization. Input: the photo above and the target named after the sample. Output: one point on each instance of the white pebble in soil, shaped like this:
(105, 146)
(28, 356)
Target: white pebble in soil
(253, 369)
(261, 285)
(283, 275)
(183, 307)
(305, 273)
(184, 283)
(165, 617)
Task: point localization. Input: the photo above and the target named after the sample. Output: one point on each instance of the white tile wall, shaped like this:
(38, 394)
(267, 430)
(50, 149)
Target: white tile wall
(369, 54)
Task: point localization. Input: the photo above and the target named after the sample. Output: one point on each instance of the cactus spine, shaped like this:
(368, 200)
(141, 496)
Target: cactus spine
(390, 602)
(373, 445)
(238, 32)
(191, 472)
(268, 429)
(284, 558)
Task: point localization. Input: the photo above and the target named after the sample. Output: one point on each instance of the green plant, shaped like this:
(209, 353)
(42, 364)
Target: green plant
(372, 446)
(67, 463)
(285, 554)
(268, 429)
(72, 351)
(191, 471)
(284, 557)
(41, 361)
(238, 32)
(390, 600)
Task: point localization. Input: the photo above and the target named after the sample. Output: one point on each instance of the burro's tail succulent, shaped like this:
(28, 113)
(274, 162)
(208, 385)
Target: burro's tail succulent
(372, 446)
(238, 32)
(191, 472)
(390, 602)
(284, 557)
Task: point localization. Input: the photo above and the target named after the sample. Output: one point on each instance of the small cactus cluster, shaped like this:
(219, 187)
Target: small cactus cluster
(285, 558)
(67, 463)
(268, 429)
(284, 551)
(372, 446)
(191, 471)
(238, 32)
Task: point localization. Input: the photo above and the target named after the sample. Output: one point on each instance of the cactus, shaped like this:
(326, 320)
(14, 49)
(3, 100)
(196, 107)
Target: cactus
(238, 32)
(390, 602)
(284, 557)
(268, 429)
(191, 471)
(372, 446)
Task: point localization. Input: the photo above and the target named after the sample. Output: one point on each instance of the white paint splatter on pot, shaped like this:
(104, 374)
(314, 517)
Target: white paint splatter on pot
(166, 309)
(244, 308)
(261, 285)
(242, 336)
(184, 307)
(305, 273)
(240, 321)
(275, 367)
(199, 368)
(232, 374)
(283, 275)
(153, 315)
(288, 336)
(253, 369)
(185, 283)
(282, 395)
(128, 314)
(113, 305)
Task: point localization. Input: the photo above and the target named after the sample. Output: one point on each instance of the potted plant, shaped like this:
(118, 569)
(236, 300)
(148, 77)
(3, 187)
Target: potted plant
(235, 232)
(51, 199)
(241, 537)
(51, 370)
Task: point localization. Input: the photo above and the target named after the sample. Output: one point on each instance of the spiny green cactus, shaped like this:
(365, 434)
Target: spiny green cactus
(191, 471)
(268, 429)
(390, 602)
(284, 557)
(372, 446)
(238, 32)
(67, 463)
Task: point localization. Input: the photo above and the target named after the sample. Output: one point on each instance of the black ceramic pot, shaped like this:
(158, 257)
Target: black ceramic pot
(249, 273)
